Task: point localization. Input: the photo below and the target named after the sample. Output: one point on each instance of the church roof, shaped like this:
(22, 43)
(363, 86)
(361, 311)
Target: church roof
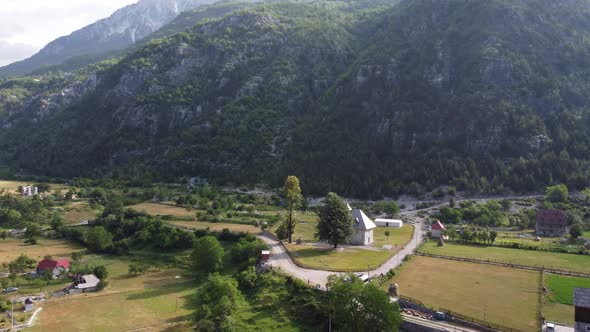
(361, 221)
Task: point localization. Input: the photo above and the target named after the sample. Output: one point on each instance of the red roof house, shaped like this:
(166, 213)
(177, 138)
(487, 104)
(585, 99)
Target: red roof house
(57, 266)
(436, 230)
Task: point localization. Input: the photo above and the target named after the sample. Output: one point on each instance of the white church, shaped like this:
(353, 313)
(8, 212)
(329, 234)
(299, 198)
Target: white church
(362, 228)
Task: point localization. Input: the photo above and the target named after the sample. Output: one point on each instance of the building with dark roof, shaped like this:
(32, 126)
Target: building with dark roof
(582, 309)
(551, 223)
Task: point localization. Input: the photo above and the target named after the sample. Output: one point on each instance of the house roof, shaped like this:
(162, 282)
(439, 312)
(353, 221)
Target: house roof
(50, 264)
(361, 221)
(551, 217)
(90, 280)
(582, 297)
(393, 221)
(437, 226)
(28, 301)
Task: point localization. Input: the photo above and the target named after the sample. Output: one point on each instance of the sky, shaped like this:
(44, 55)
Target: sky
(28, 25)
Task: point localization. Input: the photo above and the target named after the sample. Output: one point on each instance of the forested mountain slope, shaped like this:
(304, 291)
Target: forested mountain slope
(365, 98)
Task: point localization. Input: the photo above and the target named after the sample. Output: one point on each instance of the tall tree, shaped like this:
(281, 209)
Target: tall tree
(361, 307)
(335, 224)
(207, 255)
(293, 198)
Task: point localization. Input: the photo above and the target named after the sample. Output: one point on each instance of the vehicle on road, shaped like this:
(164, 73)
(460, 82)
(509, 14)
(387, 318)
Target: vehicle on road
(10, 290)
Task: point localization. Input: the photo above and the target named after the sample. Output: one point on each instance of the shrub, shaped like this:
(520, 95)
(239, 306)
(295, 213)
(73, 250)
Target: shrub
(387, 233)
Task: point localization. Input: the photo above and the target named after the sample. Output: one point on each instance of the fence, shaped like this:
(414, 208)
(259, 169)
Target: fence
(457, 317)
(512, 265)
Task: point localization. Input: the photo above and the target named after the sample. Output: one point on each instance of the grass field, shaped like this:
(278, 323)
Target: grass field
(350, 258)
(164, 210)
(562, 287)
(217, 226)
(77, 212)
(569, 262)
(560, 297)
(12, 186)
(586, 234)
(12, 248)
(504, 296)
(152, 299)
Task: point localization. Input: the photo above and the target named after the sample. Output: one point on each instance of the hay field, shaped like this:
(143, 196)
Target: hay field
(505, 296)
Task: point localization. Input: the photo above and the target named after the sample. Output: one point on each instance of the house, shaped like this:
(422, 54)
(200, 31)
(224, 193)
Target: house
(57, 267)
(551, 223)
(394, 223)
(265, 256)
(582, 309)
(87, 283)
(362, 228)
(437, 229)
(28, 304)
(29, 191)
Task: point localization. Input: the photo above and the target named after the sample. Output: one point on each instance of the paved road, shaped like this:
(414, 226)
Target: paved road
(280, 259)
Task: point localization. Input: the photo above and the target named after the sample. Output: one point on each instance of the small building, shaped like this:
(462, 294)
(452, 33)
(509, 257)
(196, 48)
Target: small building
(551, 223)
(57, 267)
(87, 283)
(362, 228)
(265, 256)
(28, 191)
(28, 304)
(393, 223)
(437, 229)
(582, 309)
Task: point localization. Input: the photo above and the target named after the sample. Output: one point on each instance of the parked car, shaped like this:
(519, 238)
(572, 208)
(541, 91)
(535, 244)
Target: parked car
(10, 290)
(363, 277)
(550, 327)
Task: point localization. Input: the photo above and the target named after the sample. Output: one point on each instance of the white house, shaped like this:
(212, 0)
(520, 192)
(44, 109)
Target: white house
(87, 283)
(362, 228)
(394, 223)
(30, 191)
(29, 304)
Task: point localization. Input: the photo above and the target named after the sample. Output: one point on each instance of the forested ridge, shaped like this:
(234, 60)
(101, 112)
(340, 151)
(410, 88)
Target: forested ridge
(364, 98)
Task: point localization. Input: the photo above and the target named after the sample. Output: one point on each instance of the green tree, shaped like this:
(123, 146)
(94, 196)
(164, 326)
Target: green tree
(3, 235)
(335, 221)
(392, 209)
(281, 232)
(100, 272)
(47, 276)
(207, 255)
(32, 233)
(586, 193)
(56, 222)
(493, 235)
(77, 255)
(99, 239)
(361, 307)
(557, 194)
(293, 198)
(576, 231)
(217, 300)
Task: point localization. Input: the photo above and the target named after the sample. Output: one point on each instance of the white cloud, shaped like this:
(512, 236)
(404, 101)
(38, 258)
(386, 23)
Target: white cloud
(28, 25)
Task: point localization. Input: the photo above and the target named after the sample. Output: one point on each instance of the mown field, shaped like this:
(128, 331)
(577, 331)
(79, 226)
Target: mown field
(217, 226)
(505, 296)
(350, 258)
(78, 211)
(11, 248)
(569, 262)
(159, 209)
(560, 297)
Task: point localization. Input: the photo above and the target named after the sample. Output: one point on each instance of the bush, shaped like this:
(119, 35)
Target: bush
(387, 233)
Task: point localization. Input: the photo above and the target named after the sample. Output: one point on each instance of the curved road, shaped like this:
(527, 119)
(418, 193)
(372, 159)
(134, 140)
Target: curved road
(281, 260)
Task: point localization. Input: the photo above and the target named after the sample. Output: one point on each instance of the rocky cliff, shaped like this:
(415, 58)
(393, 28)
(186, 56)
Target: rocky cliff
(371, 100)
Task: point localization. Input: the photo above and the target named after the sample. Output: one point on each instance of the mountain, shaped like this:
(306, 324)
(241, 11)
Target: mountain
(122, 29)
(365, 98)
